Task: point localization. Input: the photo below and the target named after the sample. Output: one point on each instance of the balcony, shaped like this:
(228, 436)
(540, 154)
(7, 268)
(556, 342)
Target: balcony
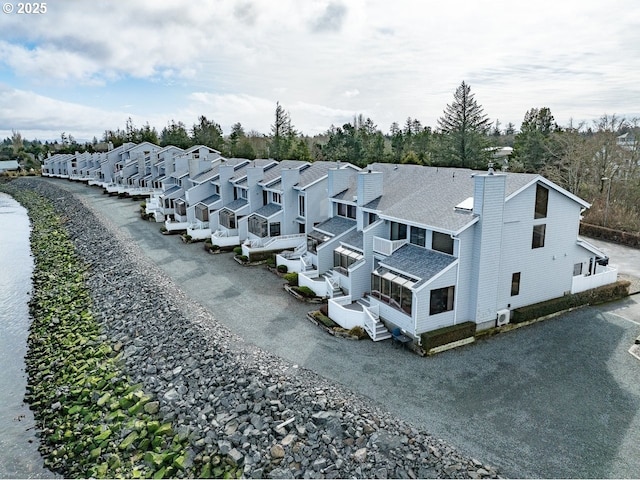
(387, 247)
(199, 230)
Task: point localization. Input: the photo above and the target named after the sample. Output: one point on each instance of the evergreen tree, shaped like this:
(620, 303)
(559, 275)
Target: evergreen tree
(282, 135)
(465, 128)
(532, 144)
(175, 134)
(207, 132)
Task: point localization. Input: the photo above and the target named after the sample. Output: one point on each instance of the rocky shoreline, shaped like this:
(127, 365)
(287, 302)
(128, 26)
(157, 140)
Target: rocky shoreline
(232, 401)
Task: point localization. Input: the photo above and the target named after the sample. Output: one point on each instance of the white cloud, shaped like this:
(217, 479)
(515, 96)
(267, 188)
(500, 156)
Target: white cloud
(235, 59)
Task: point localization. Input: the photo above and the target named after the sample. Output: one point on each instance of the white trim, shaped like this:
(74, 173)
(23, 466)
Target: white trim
(551, 185)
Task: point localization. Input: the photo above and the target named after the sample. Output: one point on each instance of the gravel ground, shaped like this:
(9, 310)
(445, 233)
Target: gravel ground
(268, 416)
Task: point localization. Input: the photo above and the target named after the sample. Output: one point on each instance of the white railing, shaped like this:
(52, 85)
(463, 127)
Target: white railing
(283, 237)
(345, 317)
(310, 279)
(199, 225)
(333, 281)
(307, 263)
(220, 234)
(387, 247)
(371, 316)
(606, 276)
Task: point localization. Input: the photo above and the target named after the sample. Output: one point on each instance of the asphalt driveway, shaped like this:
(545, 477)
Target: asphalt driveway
(556, 399)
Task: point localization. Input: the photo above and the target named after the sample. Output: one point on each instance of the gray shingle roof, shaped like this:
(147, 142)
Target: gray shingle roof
(208, 175)
(428, 195)
(236, 204)
(210, 200)
(335, 225)
(275, 172)
(268, 210)
(314, 172)
(173, 192)
(353, 239)
(418, 262)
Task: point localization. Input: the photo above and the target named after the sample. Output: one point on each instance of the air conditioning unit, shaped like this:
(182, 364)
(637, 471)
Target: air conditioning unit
(503, 317)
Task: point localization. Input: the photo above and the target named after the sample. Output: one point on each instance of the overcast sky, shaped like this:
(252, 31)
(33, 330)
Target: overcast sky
(86, 66)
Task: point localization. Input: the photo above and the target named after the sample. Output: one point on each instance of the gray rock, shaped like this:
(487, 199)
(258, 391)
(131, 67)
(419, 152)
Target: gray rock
(277, 451)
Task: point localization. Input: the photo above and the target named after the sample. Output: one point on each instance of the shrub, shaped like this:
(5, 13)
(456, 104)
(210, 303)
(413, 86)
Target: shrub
(237, 250)
(282, 268)
(444, 335)
(215, 247)
(304, 291)
(243, 258)
(163, 229)
(326, 321)
(359, 332)
(271, 261)
(606, 293)
(609, 234)
(291, 278)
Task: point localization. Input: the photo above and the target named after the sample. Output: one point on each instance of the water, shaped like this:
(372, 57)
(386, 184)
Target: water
(19, 456)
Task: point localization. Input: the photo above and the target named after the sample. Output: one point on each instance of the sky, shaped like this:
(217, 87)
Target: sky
(83, 67)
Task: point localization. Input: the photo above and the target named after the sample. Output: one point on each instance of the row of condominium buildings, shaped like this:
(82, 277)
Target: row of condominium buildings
(392, 247)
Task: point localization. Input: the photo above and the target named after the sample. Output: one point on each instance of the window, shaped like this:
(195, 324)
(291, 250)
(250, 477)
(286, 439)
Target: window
(275, 197)
(257, 225)
(418, 236)
(577, 269)
(371, 218)
(181, 207)
(239, 193)
(202, 212)
(227, 219)
(314, 239)
(538, 236)
(274, 229)
(301, 205)
(515, 284)
(398, 231)
(393, 289)
(345, 210)
(442, 243)
(441, 300)
(542, 201)
(343, 258)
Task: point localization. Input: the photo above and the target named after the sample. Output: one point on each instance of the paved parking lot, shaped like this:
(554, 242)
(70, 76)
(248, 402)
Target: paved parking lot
(556, 399)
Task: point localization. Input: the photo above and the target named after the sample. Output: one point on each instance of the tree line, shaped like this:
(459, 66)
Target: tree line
(599, 161)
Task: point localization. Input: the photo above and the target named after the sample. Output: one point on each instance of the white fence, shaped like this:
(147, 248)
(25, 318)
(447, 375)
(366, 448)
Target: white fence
(347, 318)
(606, 276)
